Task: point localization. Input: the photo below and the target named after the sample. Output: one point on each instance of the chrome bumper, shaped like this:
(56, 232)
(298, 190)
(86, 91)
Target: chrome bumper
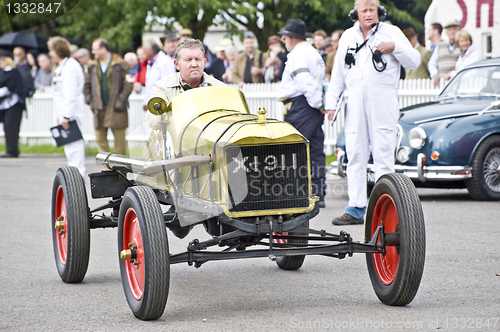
(420, 172)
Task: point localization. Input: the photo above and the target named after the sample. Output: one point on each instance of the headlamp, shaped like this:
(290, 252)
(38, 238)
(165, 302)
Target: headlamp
(417, 138)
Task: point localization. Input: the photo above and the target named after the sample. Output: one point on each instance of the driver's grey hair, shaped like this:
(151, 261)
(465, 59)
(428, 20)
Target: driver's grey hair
(188, 43)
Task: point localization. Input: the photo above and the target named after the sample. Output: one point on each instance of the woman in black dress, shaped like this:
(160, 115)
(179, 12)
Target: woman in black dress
(12, 102)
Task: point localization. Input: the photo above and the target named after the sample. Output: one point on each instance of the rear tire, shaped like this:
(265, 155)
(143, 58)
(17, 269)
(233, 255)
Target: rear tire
(70, 213)
(485, 182)
(292, 262)
(141, 227)
(369, 189)
(396, 275)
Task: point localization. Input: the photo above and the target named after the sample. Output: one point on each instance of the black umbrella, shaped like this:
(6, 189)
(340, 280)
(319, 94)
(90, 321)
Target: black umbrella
(28, 40)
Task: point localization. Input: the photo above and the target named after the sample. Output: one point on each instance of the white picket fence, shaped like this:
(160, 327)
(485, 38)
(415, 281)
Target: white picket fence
(40, 115)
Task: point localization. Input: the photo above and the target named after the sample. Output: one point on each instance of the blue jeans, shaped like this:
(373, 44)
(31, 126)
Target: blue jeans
(356, 212)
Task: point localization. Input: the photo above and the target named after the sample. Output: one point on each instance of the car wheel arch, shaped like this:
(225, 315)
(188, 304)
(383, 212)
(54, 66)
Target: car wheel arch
(480, 141)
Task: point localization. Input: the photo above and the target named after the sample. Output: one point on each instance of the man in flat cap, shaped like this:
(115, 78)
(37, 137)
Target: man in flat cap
(185, 34)
(445, 54)
(327, 48)
(302, 93)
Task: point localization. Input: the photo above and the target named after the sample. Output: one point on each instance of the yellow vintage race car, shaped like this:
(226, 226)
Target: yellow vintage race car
(247, 179)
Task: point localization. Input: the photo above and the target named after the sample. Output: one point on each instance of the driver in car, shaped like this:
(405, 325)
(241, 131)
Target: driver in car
(190, 61)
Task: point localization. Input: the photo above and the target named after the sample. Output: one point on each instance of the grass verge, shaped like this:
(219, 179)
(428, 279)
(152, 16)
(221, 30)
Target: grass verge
(46, 149)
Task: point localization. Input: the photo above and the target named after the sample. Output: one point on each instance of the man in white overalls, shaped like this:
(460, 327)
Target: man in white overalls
(367, 66)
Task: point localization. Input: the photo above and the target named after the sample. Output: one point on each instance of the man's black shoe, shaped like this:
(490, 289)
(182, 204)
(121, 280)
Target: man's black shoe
(322, 204)
(7, 155)
(347, 219)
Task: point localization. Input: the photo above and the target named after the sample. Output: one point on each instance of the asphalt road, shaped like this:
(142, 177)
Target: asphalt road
(460, 288)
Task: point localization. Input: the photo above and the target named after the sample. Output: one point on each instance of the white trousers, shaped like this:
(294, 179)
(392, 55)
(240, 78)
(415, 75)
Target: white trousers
(370, 125)
(75, 154)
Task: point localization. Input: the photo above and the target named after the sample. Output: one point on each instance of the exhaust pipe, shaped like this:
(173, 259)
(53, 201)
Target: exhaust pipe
(126, 164)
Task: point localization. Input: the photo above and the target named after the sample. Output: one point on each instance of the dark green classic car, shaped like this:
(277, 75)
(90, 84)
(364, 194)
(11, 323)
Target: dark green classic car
(453, 141)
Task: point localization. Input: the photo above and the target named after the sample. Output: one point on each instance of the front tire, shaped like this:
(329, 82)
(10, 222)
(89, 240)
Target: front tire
(142, 228)
(485, 182)
(292, 262)
(396, 275)
(70, 225)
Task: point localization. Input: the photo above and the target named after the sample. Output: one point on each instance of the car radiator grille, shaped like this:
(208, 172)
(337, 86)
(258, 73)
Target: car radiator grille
(399, 137)
(267, 177)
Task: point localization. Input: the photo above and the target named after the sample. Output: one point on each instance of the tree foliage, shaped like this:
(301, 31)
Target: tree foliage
(196, 15)
(405, 13)
(117, 21)
(266, 17)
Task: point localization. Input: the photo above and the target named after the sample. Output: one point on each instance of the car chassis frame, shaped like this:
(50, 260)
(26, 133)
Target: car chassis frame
(270, 229)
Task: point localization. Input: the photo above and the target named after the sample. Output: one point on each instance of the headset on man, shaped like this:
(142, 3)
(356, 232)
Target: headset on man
(353, 14)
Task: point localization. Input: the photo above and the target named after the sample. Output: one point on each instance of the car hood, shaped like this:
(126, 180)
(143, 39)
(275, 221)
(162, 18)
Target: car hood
(448, 108)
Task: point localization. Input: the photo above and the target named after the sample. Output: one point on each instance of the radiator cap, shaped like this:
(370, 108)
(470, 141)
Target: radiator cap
(262, 115)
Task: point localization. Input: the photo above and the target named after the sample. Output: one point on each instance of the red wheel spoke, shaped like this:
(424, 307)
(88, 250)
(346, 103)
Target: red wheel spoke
(132, 239)
(385, 213)
(62, 238)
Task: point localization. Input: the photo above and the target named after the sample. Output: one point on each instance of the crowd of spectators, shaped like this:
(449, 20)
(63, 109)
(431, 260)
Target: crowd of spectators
(254, 64)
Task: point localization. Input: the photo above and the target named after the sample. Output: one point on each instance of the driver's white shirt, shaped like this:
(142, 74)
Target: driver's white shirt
(304, 74)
